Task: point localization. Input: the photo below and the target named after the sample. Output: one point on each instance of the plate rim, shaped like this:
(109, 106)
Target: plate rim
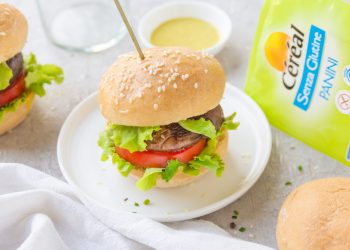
(181, 216)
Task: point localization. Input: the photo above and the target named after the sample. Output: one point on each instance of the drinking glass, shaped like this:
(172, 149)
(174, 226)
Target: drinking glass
(82, 25)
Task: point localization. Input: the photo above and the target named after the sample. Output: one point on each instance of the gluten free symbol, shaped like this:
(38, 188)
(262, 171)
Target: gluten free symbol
(342, 101)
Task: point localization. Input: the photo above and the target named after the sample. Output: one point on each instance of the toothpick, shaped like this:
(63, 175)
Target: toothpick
(128, 26)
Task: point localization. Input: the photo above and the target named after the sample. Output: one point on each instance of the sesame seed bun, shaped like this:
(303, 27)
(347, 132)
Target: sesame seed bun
(11, 119)
(316, 216)
(169, 85)
(181, 179)
(13, 31)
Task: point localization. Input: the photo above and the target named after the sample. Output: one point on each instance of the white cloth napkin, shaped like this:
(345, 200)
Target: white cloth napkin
(38, 212)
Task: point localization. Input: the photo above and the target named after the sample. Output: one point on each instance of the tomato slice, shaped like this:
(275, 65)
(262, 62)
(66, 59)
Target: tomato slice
(13, 91)
(158, 159)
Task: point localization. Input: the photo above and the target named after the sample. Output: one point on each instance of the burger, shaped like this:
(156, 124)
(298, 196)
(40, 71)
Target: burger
(21, 78)
(165, 124)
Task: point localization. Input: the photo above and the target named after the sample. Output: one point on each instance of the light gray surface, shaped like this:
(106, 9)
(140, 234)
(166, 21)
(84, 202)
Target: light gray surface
(34, 142)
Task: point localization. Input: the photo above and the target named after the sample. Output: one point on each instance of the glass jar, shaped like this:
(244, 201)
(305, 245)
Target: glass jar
(82, 25)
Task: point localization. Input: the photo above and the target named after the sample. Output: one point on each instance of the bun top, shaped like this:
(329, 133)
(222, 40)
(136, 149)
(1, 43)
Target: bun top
(13, 31)
(169, 85)
(316, 216)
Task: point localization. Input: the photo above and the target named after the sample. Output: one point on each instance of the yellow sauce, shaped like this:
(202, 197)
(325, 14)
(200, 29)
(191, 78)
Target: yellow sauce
(185, 32)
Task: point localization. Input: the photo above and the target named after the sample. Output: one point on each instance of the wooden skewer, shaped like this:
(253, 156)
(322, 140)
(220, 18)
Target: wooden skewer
(128, 26)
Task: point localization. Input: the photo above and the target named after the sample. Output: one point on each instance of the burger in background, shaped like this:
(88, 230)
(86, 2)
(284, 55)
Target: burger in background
(21, 78)
(165, 124)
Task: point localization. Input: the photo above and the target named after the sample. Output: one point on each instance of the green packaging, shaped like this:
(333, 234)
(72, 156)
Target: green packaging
(299, 72)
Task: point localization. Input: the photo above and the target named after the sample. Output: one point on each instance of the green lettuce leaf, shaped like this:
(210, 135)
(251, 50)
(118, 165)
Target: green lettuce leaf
(229, 124)
(130, 138)
(5, 75)
(190, 170)
(171, 170)
(200, 126)
(134, 139)
(212, 162)
(37, 74)
(124, 167)
(149, 179)
(106, 143)
(12, 106)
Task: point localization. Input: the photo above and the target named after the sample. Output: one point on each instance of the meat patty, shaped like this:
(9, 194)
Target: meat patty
(173, 137)
(16, 65)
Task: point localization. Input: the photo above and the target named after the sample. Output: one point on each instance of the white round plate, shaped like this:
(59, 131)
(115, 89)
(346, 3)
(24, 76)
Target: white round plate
(248, 153)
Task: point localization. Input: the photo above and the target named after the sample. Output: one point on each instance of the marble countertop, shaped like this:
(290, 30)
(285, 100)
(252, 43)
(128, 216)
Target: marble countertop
(34, 142)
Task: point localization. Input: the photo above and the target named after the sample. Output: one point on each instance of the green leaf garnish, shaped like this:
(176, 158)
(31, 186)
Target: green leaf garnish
(39, 74)
(5, 75)
(149, 179)
(170, 170)
(131, 138)
(134, 139)
(200, 126)
(288, 183)
(12, 106)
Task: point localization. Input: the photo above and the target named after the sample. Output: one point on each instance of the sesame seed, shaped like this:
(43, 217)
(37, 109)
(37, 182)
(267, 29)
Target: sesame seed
(185, 77)
(159, 89)
(195, 85)
(2, 33)
(163, 88)
(206, 71)
(123, 111)
(148, 85)
(121, 95)
(155, 106)
(175, 86)
(177, 51)
(116, 101)
(160, 81)
(198, 58)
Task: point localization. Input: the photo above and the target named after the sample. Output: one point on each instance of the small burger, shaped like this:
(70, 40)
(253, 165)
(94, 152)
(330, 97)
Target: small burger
(20, 78)
(165, 124)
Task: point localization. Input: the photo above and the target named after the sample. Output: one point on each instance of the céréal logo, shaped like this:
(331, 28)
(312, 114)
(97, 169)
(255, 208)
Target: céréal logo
(284, 53)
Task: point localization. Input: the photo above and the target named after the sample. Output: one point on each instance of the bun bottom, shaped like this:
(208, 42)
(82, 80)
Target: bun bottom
(11, 119)
(181, 179)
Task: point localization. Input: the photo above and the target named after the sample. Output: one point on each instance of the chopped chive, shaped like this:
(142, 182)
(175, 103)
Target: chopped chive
(288, 183)
(300, 168)
(146, 202)
(242, 229)
(136, 204)
(234, 217)
(235, 212)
